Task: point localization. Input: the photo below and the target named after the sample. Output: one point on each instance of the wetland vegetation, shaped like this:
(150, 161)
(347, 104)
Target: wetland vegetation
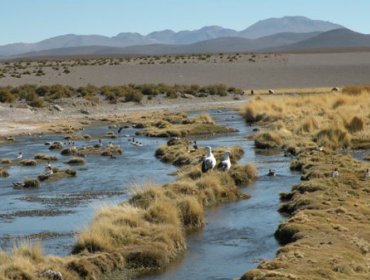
(326, 235)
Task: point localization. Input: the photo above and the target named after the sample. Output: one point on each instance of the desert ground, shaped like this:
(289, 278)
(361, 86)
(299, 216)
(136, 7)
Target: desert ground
(247, 71)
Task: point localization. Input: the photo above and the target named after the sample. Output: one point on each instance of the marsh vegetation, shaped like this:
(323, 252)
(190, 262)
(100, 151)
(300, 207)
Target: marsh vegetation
(327, 223)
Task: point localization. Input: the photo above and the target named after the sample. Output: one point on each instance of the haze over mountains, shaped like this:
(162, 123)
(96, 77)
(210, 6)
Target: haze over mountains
(287, 33)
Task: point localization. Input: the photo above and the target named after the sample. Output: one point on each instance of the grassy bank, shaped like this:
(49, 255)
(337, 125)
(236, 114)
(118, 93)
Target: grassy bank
(326, 235)
(333, 120)
(143, 234)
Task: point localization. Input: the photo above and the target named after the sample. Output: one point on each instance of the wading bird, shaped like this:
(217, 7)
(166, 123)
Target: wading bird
(225, 164)
(209, 161)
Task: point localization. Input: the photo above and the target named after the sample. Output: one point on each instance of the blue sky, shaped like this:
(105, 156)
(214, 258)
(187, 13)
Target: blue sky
(34, 20)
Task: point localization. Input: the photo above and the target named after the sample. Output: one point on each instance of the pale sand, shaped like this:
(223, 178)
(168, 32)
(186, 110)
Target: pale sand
(282, 71)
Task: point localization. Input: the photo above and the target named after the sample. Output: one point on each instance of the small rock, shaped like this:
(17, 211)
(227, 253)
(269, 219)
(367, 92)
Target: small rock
(335, 89)
(189, 96)
(85, 112)
(57, 107)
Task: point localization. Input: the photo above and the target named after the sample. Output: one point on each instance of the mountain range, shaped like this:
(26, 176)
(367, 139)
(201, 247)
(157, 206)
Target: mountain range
(287, 33)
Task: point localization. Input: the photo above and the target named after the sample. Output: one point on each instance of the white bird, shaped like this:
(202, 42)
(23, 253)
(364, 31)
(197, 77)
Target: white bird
(209, 161)
(335, 173)
(319, 149)
(48, 171)
(20, 155)
(225, 164)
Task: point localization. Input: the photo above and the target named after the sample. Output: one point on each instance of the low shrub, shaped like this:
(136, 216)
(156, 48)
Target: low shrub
(3, 172)
(28, 162)
(76, 161)
(356, 124)
(31, 183)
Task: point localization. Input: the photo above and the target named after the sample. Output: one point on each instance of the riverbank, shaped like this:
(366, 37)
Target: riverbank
(77, 113)
(326, 235)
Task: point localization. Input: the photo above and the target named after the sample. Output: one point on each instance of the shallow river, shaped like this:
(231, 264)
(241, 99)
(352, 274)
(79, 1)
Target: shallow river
(235, 239)
(238, 235)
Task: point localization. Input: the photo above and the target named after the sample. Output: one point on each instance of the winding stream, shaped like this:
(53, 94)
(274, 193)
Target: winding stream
(235, 239)
(238, 235)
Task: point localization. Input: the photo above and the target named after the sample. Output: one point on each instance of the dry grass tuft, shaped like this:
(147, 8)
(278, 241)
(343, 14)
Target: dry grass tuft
(111, 151)
(76, 161)
(58, 174)
(31, 183)
(179, 125)
(28, 162)
(333, 138)
(205, 118)
(243, 174)
(326, 116)
(191, 212)
(268, 140)
(56, 146)
(45, 157)
(355, 125)
(309, 125)
(3, 172)
(71, 151)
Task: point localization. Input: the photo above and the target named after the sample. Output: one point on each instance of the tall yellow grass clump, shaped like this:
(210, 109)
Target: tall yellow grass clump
(149, 230)
(331, 119)
(333, 138)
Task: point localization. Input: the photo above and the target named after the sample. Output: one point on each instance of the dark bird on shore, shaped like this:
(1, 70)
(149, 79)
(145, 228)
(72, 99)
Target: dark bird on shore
(195, 145)
(225, 164)
(209, 161)
(120, 129)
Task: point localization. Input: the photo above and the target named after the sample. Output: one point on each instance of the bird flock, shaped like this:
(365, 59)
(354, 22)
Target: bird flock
(209, 161)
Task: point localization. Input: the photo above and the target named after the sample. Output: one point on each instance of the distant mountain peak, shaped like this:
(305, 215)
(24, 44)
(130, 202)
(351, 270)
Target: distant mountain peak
(297, 24)
(263, 28)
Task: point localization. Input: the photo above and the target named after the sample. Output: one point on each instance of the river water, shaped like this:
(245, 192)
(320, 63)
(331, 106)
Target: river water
(237, 236)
